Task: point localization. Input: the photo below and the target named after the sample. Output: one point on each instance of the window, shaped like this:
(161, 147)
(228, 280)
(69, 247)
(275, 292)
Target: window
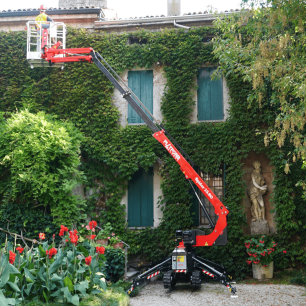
(216, 184)
(141, 83)
(140, 199)
(135, 40)
(210, 96)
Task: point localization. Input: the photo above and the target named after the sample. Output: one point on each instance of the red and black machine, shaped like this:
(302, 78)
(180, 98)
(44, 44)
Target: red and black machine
(183, 263)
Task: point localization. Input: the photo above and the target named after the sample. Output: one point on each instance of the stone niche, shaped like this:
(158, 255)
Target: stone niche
(266, 171)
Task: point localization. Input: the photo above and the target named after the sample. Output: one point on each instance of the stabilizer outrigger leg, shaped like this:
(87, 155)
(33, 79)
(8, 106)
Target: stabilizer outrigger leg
(159, 268)
(206, 266)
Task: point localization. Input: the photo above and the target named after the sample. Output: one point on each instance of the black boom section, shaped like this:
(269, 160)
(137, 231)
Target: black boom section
(125, 94)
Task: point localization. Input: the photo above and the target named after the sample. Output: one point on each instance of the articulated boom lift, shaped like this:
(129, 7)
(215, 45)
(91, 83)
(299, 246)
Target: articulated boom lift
(183, 263)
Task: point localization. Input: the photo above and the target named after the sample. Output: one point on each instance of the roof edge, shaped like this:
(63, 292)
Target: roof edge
(63, 11)
(198, 17)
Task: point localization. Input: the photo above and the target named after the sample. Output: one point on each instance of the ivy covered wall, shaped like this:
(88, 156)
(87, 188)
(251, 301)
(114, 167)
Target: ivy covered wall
(112, 153)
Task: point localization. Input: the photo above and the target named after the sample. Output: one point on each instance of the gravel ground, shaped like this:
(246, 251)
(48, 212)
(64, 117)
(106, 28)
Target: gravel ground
(154, 294)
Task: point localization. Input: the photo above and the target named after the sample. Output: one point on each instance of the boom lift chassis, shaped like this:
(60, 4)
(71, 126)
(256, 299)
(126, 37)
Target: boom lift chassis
(183, 263)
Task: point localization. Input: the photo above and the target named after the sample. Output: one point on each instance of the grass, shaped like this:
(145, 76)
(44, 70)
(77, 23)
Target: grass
(279, 278)
(112, 297)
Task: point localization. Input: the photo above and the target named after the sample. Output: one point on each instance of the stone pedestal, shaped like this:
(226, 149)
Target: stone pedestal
(259, 227)
(260, 272)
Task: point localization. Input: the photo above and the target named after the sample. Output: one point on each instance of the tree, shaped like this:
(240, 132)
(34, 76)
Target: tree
(265, 43)
(39, 159)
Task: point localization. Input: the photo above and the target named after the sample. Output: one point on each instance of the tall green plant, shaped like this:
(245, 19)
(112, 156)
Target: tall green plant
(39, 159)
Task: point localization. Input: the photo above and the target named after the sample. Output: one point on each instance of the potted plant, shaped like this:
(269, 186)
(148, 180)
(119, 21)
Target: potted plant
(115, 242)
(261, 255)
(84, 231)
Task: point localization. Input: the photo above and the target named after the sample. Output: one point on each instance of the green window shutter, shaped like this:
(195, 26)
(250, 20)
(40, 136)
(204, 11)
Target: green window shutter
(141, 83)
(140, 199)
(210, 95)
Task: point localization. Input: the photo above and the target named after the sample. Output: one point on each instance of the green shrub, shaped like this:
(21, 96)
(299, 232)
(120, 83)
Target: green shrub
(39, 159)
(300, 279)
(28, 220)
(125, 285)
(115, 263)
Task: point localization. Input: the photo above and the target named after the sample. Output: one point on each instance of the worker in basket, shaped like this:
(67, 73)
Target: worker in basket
(41, 22)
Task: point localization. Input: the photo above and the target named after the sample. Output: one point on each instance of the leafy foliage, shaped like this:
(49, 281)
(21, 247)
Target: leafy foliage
(300, 279)
(63, 276)
(114, 265)
(262, 251)
(39, 158)
(30, 224)
(266, 45)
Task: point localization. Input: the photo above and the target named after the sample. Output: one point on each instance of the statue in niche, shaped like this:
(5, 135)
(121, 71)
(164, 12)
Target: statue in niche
(257, 189)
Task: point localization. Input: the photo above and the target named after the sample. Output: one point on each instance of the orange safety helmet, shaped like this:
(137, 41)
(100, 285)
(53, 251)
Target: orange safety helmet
(42, 8)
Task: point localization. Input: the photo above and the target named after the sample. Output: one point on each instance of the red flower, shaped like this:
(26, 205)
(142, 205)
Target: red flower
(92, 237)
(51, 252)
(248, 262)
(257, 245)
(53, 236)
(100, 250)
(63, 230)
(19, 249)
(247, 245)
(42, 236)
(66, 240)
(92, 224)
(88, 260)
(73, 237)
(265, 265)
(12, 257)
(285, 251)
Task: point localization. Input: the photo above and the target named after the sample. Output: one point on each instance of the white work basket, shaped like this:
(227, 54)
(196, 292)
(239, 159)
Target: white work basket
(57, 32)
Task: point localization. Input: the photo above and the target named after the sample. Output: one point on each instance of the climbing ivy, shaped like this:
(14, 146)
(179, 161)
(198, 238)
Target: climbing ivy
(111, 154)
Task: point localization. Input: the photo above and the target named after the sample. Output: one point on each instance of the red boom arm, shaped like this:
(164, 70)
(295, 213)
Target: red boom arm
(190, 173)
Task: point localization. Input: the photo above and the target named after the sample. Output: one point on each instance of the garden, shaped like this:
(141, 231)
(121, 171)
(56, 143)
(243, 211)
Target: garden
(64, 272)
(59, 130)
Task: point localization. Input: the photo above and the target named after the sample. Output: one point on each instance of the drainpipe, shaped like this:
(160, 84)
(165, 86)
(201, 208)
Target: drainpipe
(180, 26)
